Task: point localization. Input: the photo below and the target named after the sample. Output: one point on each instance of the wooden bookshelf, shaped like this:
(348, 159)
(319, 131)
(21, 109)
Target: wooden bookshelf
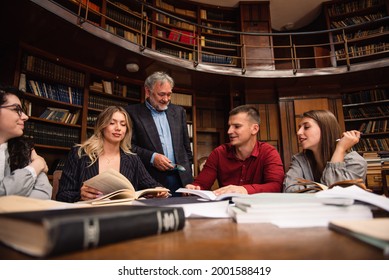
(367, 110)
(72, 91)
(217, 44)
(360, 33)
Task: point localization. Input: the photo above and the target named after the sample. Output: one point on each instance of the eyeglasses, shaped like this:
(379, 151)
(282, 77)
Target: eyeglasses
(17, 109)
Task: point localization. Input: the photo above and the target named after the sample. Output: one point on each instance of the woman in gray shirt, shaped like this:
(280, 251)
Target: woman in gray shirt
(326, 156)
(22, 171)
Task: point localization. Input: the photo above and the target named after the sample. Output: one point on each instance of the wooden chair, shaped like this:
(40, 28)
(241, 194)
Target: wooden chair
(56, 176)
(385, 181)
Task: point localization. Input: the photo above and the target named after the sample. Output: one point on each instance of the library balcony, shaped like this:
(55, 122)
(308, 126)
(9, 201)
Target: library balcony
(202, 40)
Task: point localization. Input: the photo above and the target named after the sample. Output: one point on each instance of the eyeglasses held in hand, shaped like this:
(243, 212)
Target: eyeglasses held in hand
(16, 108)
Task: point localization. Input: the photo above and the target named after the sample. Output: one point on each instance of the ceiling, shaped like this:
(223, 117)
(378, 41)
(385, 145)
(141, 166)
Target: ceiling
(285, 14)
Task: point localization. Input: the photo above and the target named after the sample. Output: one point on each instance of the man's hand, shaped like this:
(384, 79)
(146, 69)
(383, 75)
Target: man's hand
(192, 187)
(162, 163)
(230, 189)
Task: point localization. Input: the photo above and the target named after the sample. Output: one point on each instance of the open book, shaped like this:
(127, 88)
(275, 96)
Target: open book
(209, 195)
(311, 186)
(116, 188)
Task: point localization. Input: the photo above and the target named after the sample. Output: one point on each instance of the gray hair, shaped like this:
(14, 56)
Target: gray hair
(160, 77)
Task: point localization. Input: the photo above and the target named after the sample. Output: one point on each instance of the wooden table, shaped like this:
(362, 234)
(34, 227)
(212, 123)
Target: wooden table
(224, 239)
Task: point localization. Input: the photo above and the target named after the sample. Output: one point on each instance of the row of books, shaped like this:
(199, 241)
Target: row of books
(51, 135)
(128, 35)
(56, 92)
(357, 51)
(366, 96)
(219, 26)
(185, 37)
(172, 21)
(350, 7)
(357, 20)
(219, 15)
(181, 99)
(219, 59)
(100, 102)
(371, 145)
(361, 33)
(220, 43)
(115, 88)
(366, 112)
(91, 120)
(60, 115)
(53, 71)
(177, 53)
(171, 8)
(128, 19)
(374, 127)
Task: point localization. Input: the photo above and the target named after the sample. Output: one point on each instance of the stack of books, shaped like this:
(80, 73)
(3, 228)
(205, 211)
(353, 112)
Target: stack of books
(296, 209)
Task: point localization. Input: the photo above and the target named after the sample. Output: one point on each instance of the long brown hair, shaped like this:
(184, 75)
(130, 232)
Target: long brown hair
(330, 131)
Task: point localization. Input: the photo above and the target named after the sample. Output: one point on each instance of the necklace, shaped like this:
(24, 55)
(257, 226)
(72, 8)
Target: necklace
(108, 160)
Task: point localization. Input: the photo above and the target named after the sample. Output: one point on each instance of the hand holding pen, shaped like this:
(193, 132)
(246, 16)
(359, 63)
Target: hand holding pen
(349, 139)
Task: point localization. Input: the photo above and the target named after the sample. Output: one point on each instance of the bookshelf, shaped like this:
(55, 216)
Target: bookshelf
(367, 110)
(218, 46)
(173, 31)
(63, 99)
(361, 34)
(185, 98)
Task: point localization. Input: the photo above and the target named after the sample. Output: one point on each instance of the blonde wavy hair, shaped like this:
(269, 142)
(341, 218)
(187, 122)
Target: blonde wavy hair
(93, 147)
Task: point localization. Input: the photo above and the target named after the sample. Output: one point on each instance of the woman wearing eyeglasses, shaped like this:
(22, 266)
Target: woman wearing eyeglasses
(22, 170)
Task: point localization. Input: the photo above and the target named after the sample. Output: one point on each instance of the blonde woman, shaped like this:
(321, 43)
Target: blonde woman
(108, 147)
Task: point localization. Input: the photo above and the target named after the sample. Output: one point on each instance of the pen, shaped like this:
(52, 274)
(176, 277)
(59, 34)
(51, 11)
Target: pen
(337, 140)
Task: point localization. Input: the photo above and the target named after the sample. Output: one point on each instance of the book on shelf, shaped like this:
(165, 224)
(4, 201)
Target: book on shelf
(22, 82)
(107, 85)
(51, 232)
(194, 207)
(373, 231)
(209, 195)
(174, 35)
(116, 188)
(295, 210)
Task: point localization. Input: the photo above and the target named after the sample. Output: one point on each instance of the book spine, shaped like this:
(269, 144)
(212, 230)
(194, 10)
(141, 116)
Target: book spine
(82, 233)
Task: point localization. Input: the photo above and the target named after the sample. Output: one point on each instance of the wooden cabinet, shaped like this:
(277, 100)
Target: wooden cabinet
(255, 17)
(367, 110)
(360, 31)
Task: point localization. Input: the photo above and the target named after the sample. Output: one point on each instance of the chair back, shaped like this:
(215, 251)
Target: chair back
(56, 176)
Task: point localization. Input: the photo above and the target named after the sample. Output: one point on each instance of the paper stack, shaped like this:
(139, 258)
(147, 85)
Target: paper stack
(296, 210)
